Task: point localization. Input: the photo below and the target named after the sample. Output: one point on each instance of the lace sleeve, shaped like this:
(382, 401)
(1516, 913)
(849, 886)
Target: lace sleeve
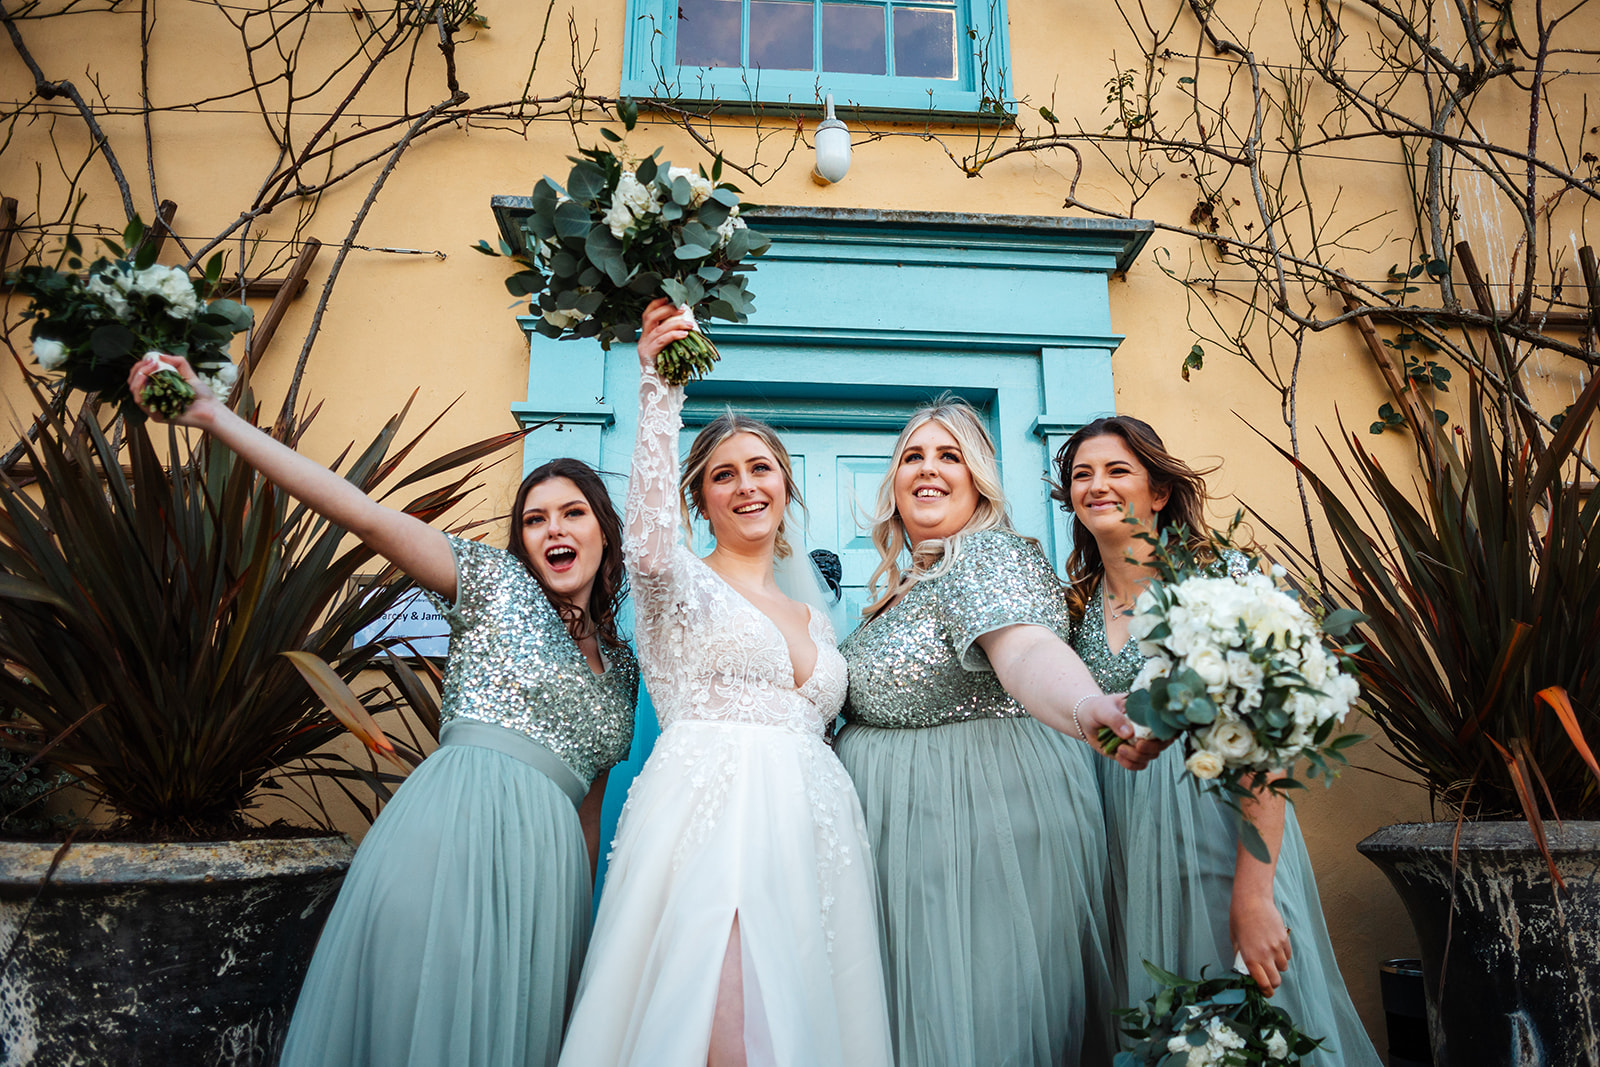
(651, 532)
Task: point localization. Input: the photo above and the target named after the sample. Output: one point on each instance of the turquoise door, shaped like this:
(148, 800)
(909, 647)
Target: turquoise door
(862, 317)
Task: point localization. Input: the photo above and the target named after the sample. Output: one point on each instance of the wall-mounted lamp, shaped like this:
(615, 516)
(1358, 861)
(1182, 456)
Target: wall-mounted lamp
(833, 148)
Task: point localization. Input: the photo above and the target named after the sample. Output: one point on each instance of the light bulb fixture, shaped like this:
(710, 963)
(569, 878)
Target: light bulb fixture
(832, 141)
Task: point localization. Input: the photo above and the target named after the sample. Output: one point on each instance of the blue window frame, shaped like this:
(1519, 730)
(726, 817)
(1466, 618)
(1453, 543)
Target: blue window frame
(888, 58)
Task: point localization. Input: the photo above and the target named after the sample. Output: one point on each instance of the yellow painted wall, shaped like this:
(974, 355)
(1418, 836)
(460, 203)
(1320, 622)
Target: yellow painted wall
(440, 323)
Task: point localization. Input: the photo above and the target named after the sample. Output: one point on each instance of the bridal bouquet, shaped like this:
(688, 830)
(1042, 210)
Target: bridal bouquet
(623, 232)
(1238, 668)
(94, 328)
(1211, 1022)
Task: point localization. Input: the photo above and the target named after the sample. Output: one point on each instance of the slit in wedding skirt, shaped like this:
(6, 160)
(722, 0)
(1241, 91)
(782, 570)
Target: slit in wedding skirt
(758, 1050)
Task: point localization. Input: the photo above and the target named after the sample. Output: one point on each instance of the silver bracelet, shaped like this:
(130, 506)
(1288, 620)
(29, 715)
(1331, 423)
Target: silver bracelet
(1075, 720)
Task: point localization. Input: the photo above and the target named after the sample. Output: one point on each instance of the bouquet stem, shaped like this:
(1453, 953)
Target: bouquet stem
(686, 359)
(167, 394)
(1109, 741)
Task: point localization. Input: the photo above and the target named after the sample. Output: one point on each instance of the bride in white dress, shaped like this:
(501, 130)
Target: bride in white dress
(739, 918)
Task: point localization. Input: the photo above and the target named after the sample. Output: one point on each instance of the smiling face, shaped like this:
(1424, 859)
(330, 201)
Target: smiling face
(743, 492)
(1108, 484)
(934, 492)
(563, 539)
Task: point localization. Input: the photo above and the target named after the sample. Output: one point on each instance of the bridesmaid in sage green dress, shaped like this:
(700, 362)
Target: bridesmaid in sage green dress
(460, 929)
(1187, 896)
(967, 721)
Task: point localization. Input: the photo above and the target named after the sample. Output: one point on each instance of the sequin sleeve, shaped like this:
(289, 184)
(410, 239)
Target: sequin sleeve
(479, 568)
(998, 580)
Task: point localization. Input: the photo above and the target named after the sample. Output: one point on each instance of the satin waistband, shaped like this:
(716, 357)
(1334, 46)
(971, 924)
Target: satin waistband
(518, 746)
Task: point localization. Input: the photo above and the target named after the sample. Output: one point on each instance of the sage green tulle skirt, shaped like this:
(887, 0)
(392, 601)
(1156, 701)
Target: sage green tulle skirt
(1173, 850)
(991, 864)
(459, 932)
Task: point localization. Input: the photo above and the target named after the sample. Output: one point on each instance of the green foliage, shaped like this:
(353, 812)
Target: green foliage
(144, 608)
(1483, 597)
(592, 258)
(1228, 1017)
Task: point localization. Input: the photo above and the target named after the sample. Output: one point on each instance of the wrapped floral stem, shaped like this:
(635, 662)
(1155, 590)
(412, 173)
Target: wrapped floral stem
(687, 358)
(622, 232)
(1239, 670)
(92, 328)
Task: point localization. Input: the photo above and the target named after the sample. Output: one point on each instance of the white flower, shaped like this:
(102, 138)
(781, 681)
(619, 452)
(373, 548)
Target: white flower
(1204, 764)
(1177, 1043)
(639, 198)
(1244, 673)
(618, 218)
(1210, 665)
(110, 292)
(699, 188)
(564, 319)
(1200, 1056)
(50, 353)
(1277, 1046)
(220, 379)
(726, 231)
(1230, 739)
(1222, 1034)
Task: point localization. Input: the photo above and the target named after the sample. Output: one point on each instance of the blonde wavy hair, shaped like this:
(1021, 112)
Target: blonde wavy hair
(932, 558)
(691, 486)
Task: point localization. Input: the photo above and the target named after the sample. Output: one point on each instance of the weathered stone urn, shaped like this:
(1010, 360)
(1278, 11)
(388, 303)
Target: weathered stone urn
(158, 954)
(1511, 965)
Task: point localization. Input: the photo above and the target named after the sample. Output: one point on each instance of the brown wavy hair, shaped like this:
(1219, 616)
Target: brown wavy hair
(610, 587)
(1185, 506)
(692, 489)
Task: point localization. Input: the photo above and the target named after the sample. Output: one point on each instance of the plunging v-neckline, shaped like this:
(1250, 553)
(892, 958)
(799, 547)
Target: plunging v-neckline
(788, 653)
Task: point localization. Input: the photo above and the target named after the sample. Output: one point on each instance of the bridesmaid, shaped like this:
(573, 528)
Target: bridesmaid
(1186, 894)
(967, 722)
(460, 930)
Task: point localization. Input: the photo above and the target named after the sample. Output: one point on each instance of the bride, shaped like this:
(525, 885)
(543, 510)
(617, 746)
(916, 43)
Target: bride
(738, 923)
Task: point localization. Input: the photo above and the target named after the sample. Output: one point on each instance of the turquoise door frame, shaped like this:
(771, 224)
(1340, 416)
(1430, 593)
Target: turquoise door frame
(863, 316)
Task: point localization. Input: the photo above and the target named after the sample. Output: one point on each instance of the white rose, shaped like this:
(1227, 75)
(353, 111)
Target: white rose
(618, 218)
(1177, 1043)
(564, 319)
(1223, 1034)
(110, 293)
(1199, 1056)
(1244, 673)
(1210, 666)
(726, 231)
(1204, 765)
(699, 188)
(1277, 1046)
(50, 353)
(1229, 739)
(221, 379)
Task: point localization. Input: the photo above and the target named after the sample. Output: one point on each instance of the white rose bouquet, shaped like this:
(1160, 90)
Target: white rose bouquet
(623, 232)
(94, 328)
(1237, 667)
(1210, 1022)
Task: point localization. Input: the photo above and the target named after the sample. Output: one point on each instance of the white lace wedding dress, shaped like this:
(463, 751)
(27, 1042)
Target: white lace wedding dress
(741, 810)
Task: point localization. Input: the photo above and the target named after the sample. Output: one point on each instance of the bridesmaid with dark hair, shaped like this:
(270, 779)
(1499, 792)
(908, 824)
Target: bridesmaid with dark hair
(1186, 894)
(460, 930)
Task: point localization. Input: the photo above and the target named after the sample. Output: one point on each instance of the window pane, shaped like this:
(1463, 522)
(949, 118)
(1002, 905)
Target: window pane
(924, 43)
(852, 39)
(780, 34)
(708, 33)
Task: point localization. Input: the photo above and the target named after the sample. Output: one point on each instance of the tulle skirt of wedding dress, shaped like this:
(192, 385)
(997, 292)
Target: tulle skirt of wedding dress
(726, 820)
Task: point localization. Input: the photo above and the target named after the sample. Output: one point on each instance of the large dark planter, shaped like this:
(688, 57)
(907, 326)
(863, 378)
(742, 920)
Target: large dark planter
(1512, 974)
(163, 954)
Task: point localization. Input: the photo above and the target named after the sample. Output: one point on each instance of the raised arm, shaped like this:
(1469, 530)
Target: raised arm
(1048, 679)
(651, 523)
(416, 548)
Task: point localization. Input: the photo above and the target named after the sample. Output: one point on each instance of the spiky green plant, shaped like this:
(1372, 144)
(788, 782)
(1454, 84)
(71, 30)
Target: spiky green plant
(1480, 577)
(146, 609)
